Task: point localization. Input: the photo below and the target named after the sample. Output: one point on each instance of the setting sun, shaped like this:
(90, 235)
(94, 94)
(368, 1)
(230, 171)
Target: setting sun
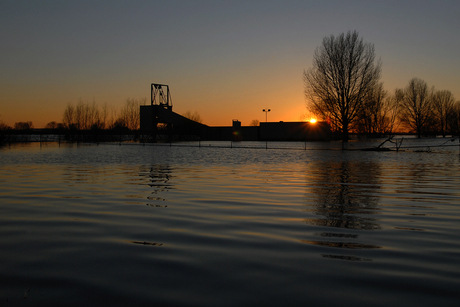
(312, 121)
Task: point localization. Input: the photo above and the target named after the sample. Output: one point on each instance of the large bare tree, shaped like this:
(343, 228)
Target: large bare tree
(379, 113)
(343, 74)
(416, 111)
(443, 104)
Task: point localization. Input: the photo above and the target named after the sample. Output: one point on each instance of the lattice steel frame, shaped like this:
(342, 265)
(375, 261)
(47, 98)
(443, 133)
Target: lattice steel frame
(160, 95)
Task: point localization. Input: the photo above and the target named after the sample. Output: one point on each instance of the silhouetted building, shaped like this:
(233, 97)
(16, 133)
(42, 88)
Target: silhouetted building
(159, 122)
(294, 131)
(163, 124)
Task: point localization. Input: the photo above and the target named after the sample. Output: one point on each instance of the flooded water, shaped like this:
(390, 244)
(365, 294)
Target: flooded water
(88, 225)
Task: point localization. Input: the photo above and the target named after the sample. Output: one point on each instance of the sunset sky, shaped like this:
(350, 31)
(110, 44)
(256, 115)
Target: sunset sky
(224, 59)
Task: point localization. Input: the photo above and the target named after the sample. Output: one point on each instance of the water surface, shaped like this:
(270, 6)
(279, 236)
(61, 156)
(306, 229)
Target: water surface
(211, 226)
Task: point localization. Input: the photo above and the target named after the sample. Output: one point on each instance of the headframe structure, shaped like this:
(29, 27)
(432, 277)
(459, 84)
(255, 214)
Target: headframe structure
(160, 95)
(159, 120)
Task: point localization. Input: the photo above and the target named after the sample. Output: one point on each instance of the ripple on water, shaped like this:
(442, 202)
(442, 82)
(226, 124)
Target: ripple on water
(92, 225)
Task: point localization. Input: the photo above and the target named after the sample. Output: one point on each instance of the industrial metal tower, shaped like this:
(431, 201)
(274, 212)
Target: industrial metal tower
(159, 96)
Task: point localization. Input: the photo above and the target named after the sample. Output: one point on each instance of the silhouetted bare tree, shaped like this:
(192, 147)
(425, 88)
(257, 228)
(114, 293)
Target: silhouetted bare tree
(79, 115)
(416, 111)
(68, 117)
(193, 116)
(443, 103)
(379, 112)
(104, 115)
(371, 113)
(51, 125)
(93, 118)
(454, 119)
(85, 116)
(254, 122)
(343, 74)
(23, 125)
(4, 126)
(129, 115)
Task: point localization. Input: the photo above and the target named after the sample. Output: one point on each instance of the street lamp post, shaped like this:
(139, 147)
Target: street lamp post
(266, 113)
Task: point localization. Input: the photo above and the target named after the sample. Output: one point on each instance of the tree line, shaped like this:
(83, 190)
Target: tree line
(343, 87)
(90, 116)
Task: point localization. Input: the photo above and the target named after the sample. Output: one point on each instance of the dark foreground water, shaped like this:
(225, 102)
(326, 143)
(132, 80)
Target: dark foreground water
(140, 225)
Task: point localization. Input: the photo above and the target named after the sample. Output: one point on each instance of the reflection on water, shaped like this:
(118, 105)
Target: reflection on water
(147, 243)
(135, 225)
(159, 179)
(343, 194)
(352, 245)
(347, 258)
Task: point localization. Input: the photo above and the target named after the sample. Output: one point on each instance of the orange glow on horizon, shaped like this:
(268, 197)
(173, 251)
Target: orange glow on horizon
(312, 121)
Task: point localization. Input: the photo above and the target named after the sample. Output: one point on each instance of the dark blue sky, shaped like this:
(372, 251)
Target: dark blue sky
(225, 59)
